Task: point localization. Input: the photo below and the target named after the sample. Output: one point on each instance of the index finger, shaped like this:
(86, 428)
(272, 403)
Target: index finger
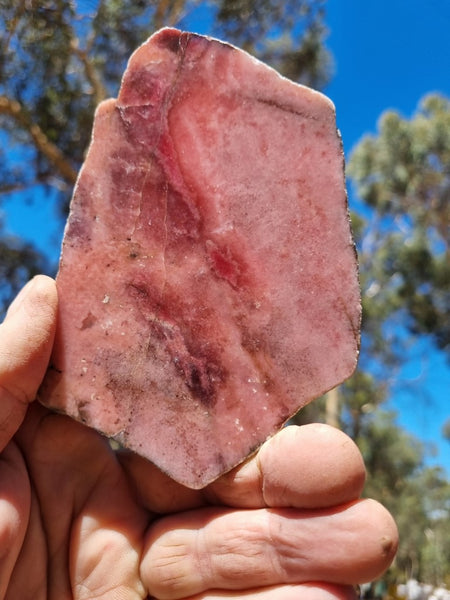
(26, 338)
(312, 466)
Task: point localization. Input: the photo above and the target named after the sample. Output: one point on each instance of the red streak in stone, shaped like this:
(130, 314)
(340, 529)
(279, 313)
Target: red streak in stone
(224, 264)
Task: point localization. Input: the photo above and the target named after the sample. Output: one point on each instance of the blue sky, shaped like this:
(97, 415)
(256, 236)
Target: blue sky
(387, 54)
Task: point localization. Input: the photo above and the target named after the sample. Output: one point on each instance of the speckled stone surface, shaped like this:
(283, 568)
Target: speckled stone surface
(208, 281)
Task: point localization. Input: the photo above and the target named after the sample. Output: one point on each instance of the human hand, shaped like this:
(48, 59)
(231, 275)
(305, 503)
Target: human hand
(79, 521)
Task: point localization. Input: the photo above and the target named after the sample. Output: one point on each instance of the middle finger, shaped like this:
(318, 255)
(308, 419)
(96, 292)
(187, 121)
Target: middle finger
(216, 548)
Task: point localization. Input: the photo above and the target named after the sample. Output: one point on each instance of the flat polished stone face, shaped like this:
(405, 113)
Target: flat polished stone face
(208, 281)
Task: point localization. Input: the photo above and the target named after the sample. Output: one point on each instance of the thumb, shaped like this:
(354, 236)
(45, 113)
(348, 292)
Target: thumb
(26, 340)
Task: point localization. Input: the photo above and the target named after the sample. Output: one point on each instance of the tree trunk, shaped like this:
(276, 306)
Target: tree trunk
(332, 408)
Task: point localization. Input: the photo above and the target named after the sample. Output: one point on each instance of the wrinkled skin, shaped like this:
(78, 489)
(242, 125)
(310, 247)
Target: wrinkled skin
(79, 521)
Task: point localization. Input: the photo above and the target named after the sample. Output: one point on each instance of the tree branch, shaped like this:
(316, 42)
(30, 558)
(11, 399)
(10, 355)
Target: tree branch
(8, 188)
(168, 13)
(91, 75)
(52, 153)
(13, 26)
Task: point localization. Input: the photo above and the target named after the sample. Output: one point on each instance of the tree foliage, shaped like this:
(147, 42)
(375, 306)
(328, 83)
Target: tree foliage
(403, 175)
(418, 496)
(18, 262)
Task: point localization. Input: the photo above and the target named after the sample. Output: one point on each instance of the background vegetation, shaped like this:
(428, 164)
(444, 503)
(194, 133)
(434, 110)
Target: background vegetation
(59, 58)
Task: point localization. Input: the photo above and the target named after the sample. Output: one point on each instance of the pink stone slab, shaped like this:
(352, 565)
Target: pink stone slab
(208, 282)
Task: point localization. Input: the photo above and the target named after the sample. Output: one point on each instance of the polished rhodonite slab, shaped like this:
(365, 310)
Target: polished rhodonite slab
(208, 283)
